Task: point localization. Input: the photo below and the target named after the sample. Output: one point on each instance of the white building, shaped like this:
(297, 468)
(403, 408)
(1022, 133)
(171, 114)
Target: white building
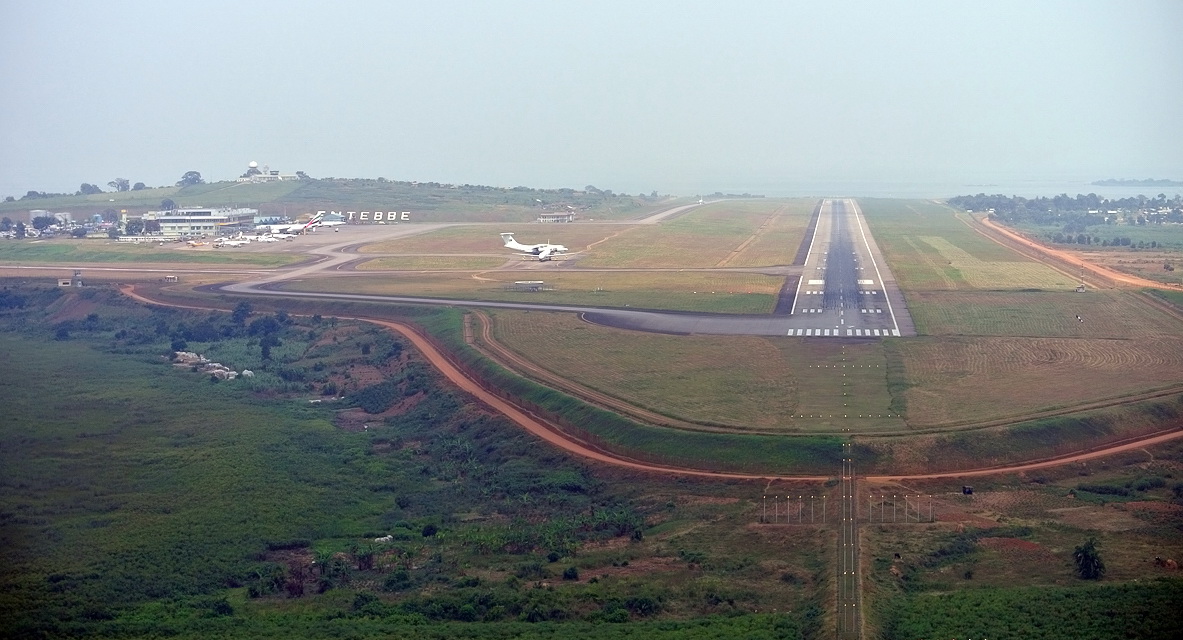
(197, 221)
(266, 174)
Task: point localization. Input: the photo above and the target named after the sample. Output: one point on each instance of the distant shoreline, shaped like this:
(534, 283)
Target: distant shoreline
(1148, 182)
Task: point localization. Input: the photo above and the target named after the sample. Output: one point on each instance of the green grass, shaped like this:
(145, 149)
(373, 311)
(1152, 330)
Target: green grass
(1168, 236)
(931, 247)
(425, 202)
(143, 499)
(715, 292)
(707, 236)
(1137, 611)
(80, 251)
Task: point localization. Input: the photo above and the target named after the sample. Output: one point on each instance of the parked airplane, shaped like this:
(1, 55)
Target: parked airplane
(543, 251)
(232, 243)
(320, 222)
(295, 227)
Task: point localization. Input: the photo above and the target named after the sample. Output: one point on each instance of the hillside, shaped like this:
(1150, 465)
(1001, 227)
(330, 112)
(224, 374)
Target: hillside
(434, 201)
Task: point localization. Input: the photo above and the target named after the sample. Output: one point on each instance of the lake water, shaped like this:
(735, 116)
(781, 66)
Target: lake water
(871, 189)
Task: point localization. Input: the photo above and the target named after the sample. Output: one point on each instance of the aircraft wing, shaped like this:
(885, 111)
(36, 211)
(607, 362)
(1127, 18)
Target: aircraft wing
(546, 253)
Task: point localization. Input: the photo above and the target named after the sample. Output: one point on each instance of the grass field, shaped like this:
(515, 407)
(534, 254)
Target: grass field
(764, 232)
(998, 563)
(82, 251)
(432, 263)
(476, 239)
(743, 382)
(765, 384)
(141, 499)
(958, 379)
(930, 247)
(1107, 314)
(722, 292)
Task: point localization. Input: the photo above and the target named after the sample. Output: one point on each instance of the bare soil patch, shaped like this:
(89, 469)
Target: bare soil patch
(1106, 518)
(71, 307)
(1015, 547)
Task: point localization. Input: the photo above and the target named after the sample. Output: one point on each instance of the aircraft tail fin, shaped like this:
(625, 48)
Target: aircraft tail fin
(507, 238)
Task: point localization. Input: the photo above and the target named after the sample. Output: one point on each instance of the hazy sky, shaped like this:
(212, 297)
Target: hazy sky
(679, 97)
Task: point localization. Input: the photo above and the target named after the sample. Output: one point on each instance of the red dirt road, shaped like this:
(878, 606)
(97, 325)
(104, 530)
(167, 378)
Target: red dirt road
(1065, 256)
(571, 445)
(521, 418)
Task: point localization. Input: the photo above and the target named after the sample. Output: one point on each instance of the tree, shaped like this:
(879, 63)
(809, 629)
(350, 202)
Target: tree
(119, 184)
(168, 205)
(241, 312)
(41, 222)
(151, 226)
(135, 227)
(139, 186)
(6, 224)
(9, 199)
(110, 215)
(189, 179)
(20, 230)
(88, 189)
(80, 232)
(1088, 561)
(113, 233)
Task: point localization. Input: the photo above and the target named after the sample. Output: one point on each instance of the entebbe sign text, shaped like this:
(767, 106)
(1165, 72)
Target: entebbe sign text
(370, 216)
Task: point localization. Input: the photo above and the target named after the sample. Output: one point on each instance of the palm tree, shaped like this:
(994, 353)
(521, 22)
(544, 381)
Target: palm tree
(1088, 561)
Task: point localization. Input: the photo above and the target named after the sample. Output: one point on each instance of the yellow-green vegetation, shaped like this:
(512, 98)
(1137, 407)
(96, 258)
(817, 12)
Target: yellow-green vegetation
(431, 263)
(487, 239)
(142, 499)
(742, 382)
(966, 270)
(226, 194)
(722, 292)
(82, 251)
(932, 247)
(424, 201)
(729, 233)
(1003, 336)
(982, 378)
(841, 385)
(1009, 547)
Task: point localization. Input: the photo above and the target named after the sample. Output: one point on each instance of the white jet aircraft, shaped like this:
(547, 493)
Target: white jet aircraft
(293, 228)
(320, 222)
(544, 251)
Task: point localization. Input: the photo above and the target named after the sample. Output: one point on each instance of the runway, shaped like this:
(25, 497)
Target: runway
(845, 291)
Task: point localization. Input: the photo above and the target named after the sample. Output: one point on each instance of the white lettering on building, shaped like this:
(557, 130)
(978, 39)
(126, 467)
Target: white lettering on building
(379, 216)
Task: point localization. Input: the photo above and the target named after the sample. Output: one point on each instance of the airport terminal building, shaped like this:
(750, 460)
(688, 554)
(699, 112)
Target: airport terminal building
(198, 221)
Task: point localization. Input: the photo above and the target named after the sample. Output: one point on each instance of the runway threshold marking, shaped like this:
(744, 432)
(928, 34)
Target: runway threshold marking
(870, 254)
(807, 255)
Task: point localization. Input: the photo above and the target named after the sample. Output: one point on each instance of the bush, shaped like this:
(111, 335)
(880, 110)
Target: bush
(571, 573)
(1104, 489)
(1146, 484)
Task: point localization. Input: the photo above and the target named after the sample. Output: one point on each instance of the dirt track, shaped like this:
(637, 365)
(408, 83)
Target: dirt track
(567, 443)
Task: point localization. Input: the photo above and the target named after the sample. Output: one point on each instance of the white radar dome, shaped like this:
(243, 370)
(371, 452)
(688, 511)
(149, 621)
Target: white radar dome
(253, 165)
